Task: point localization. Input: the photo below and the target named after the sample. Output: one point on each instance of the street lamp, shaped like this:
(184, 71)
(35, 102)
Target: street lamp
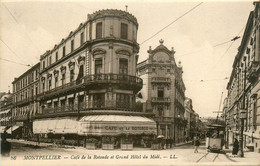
(242, 115)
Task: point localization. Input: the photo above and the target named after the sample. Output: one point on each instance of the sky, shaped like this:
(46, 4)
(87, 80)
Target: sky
(28, 29)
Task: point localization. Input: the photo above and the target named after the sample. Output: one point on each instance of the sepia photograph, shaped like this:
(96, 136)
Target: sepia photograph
(127, 82)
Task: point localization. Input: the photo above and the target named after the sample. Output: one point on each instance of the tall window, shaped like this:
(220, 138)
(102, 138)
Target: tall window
(62, 105)
(98, 66)
(63, 79)
(63, 51)
(71, 104)
(72, 45)
(57, 56)
(99, 30)
(81, 38)
(43, 86)
(50, 60)
(56, 82)
(99, 100)
(160, 93)
(49, 84)
(124, 29)
(71, 75)
(123, 66)
(43, 65)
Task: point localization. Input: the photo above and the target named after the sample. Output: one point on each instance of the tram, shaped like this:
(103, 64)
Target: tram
(215, 137)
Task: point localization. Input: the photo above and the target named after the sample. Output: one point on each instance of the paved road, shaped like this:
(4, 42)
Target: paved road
(29, 154)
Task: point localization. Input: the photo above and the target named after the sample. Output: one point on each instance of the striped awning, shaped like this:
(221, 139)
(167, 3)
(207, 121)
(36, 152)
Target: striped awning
(115, 125)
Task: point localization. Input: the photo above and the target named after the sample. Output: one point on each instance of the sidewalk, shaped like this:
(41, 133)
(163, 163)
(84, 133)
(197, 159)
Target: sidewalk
(249, 157)
(42, 144)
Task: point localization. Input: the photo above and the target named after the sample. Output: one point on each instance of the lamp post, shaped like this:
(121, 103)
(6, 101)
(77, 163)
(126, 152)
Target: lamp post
(242, 115)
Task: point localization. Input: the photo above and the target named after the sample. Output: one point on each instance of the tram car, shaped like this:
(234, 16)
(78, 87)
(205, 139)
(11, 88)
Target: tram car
(215, 137)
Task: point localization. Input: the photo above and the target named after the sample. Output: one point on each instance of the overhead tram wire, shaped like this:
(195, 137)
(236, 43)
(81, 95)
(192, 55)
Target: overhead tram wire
(15, 62)
(25, 32)
(224, 52)
(11, 50)
(172, 23)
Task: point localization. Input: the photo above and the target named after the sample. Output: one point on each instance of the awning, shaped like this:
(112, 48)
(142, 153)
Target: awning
(56, 126)
(2, 129)
(4, 112)
(12, 129)
(115, 125)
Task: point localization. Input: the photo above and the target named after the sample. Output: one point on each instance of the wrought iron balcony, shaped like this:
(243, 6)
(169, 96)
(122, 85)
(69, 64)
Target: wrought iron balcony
(253, 71)
(95, 82)
(94, 105)
(127, 81)
(24, 101)
(161, 80)
(164, 119)
(161, 100)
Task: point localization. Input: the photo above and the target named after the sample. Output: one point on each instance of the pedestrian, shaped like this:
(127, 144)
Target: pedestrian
(5, 146)
(235, 147)
(197, 144)
(171, 141)
(62, 140)
(38, 139)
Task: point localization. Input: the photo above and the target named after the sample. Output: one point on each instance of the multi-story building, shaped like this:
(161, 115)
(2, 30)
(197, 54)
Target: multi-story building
(244, 86)
(164, 91)
(89, 78)
(25, 103)
(192, 122)
(5, 111)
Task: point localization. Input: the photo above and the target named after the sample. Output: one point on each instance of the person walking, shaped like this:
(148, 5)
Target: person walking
(235, 147)
(197, 144)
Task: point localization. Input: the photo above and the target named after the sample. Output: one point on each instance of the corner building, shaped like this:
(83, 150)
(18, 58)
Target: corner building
(88, 81)
(164, 92)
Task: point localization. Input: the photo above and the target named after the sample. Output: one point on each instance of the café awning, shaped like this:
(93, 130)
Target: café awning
(4, 112)
(12, 129)
(116, 125)
(56, 126)
(2, 129)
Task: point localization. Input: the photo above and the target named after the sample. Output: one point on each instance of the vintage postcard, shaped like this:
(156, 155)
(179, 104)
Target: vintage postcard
(130, 82)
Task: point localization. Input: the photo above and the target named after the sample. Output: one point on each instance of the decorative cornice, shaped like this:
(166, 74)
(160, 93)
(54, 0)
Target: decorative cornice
(62, 68)
(81, 58)
(123, 52)
(99, 51)
(71, 64)
(112, 13)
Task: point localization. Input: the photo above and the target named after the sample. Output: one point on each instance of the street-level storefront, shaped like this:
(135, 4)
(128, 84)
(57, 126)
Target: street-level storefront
(113, 127)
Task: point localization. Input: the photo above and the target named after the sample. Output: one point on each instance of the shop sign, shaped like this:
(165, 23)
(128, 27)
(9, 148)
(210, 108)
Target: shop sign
(112, 129)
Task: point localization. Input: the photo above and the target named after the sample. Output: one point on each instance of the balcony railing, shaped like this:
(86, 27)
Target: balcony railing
(164, 119)
(24, 101)
(94, 105)
(253, 71)
(161, 99)
(91, 81)
(161, 80)
(114, 78)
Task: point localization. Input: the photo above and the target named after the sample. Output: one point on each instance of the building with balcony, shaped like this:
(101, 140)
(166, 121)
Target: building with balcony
(244, 86)
(5, 111)
(25, 101)
(163, 91)
(192, 127)
(88, 81)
